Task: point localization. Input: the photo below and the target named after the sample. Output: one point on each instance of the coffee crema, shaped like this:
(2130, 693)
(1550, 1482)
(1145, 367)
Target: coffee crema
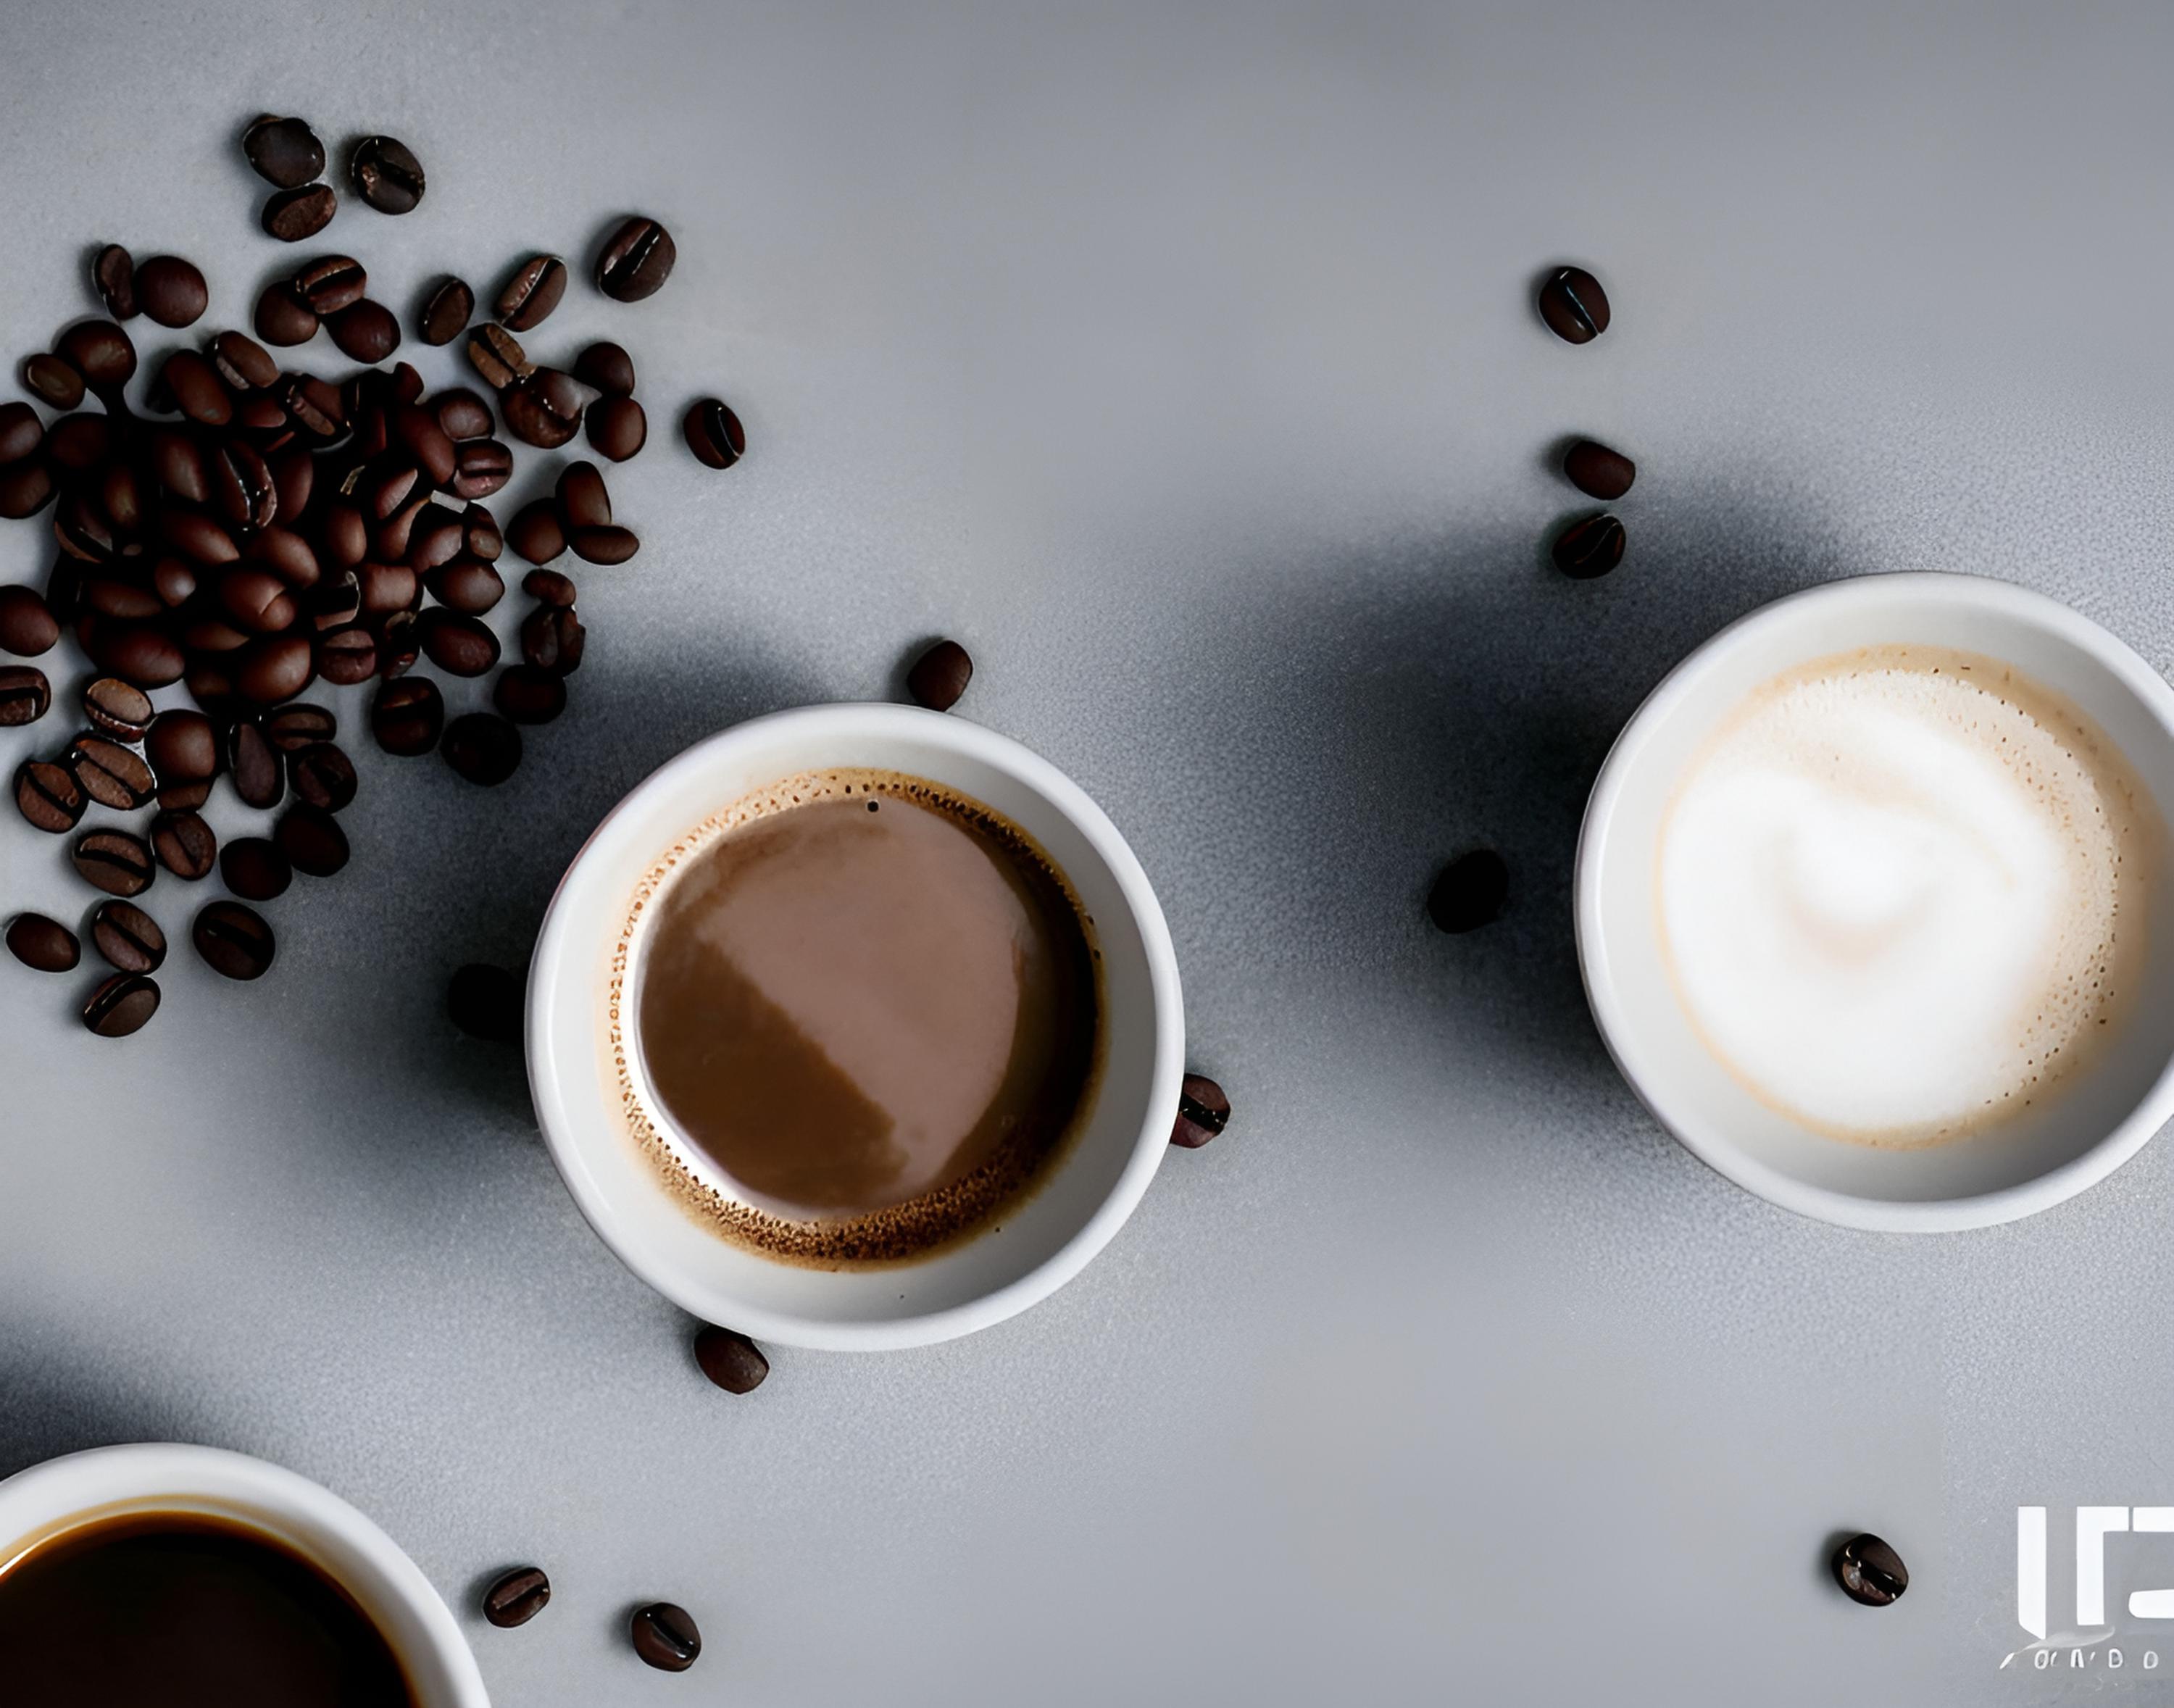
(870, 1007)
(1903, 892)
(186, 1610)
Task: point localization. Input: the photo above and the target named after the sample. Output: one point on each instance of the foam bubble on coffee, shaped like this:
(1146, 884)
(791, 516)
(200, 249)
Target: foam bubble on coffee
(1901, 892)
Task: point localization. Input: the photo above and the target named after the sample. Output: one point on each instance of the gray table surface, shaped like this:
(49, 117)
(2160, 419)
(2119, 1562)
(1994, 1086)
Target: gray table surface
(1179, 360)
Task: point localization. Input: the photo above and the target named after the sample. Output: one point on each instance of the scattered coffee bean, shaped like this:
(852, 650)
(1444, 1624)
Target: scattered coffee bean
(114, 862)
(463, 415)
(617, 427)
(603, 545)
(730, 1359)
(184, 797)
(21, 432)
(137, 652)
(544, 408)
(583, 500)
(532, 293)
(53, 380)
(322, 775)
(536, 532)
(24, 695)
(282, 318)
(44, 945)
(553, 639)
(128, 938)
(25, 489)
(312, 839)
(255, 869)
(182, 746)
(285, 151)
(183, 844)
(386, 175)
(113, 275)
(1598, 472)
(233, 940)
(111, 774)
(665, 1636)
(636, 261)
(548, 587)
(172, 291)
(527, 694)
(496, 355)
(940, 675)
(1472, 891)
(1869, 1571)
(482, 747)
(120, 710)
(331, 282)
(1574, 305)
(516, 1598)
(1203, 1111)
(294, 728)
(1590, 548)
(293, 215)
(446, 314)
(482, 466)
(397, 648)
(99, 351)
(28, 627)
(479, 533)
(274, 669)
(714, 433)
(347, 656)
(607, 368)
(254, 763)
(486, 1001)
(123, 1004)
(467, 585)
(456, 644)
(366, 331)
(408, 716)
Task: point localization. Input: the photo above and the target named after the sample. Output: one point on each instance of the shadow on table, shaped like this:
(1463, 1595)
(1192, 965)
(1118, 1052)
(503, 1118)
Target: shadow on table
(63, 1406)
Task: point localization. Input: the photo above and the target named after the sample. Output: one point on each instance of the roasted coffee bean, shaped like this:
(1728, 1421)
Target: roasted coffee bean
(532, 292)
(184, 797)
(730, 1359)
(331, 282)
(583, 500)
(242, 490)
(81, 530)
(416, 430)
(387, 588)
(437, 538)
(198, 537)
(544, 409)
(101, 352)
(389, 541)
(244, 364)
(54, 381)
(483, 747)
(606, 367)
(211, 683)
(603, 545)
(461, 414)
(366, 331)
(408, 716)
(117, 594)
(292, 215)
(233, 940)
(617, 427)
(111, 774)
(294, 728)
(312, 839)
(516, 1598)
(123, 1004)
(183, 844)
(1869, 1571)
(527, 694)
(665, 1636)
(386, 175)
(114, 862)
(552, 639)
(322, 775)
(196, 390)
(255, 869)
(253, 762)
(1598, 472)
(128, 938)
(636, 260)
(285, 151)
(282, 318)
(44, 945)
(446, 314)
(28, 627)
(25, 489)
(548, 587)
(118, 709)
(181, 746)
(1472, 891)
(483, 466)
(21, 433)
(344, 534)
(49, 797)
(456, 644)
(79, 443)
(486, 1001)
(497, 355)
(315, 406)
(285, 553)
(536, 532)
(172, 291)
(467, 585)
(275, 669)
(137, 652)
(382, 491)
(1589, 549)
(1203, 1111)
(480, 533)
(113, 276)
(347, 656)
(714, 433)
(256, 600)
(940, 675)
(177, 464)
(1574, 305)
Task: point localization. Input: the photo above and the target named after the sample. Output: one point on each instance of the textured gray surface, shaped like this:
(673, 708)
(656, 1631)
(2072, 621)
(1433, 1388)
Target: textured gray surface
(1178, 360)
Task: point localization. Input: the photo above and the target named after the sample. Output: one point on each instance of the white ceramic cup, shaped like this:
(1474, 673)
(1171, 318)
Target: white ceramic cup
(1040, 1243)
(2100, 1119)
(48, 1499)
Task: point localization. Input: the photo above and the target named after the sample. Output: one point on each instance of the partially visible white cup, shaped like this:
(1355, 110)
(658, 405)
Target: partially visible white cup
(78, 1488)
(2101, 1118)
(1044, 1240)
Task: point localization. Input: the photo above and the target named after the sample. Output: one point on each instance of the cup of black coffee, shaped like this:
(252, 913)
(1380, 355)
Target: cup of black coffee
(856, 1026)
(180, 1573)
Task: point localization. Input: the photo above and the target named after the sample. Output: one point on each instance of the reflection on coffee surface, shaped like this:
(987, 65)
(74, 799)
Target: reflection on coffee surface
(186, 1611)
(1903, 892)
(871, 1007)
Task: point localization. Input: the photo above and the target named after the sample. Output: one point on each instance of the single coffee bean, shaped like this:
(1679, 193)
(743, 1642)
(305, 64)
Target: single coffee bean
(603, 545)
(199, 537)
(386, 175)
(544, 409)
(532, 292)
(714, 433)
(245, 364)
(43, 945)
(284, 553)
(123, 1004)
(111, 774)
(536, 532)
(446, 314)
(617, 427)
(114, 595)
(25, 695)
(436, 539)
(665, 1636)
(398, 647)
(606, 367)
(636, 261)
(99, 351)
(1598, 472)
(461, 414)
(365, 330)
(940, 675)
(285, 151)
(282, 318)
(259, 776)
(292, 215)
(28, 627)
(347, 656)
(315, 405)
(467, 585)
(1869, 1571)
(183, 844)
(548, 587)
(1203, 1111)
(312, 839)
(482, 747)
(233, 940)
(1472, 891)
(482, 466)
(516, 1598)
(181, 746)
(113, 274)
(456, 643)
(1574, 305)
(184, 797)
(49, 797)
(408, 716)
(415, 431)
(496, 355)
(118, 709)
(731, 1360)
(255, 869)
(114, 862)
(527, 694)
(21, 432)
(174, 581)
(242, 489)
(294, 728)
(334, 603)
(137, 652)
(583, 500)
(1590, 548)
(53, 381)
(128, 938)
(486, 1001)
(553, 639)
(322, 775)
(480, 533)
(275, 669)
(195, 389)
(172, 291)
(331, 282)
